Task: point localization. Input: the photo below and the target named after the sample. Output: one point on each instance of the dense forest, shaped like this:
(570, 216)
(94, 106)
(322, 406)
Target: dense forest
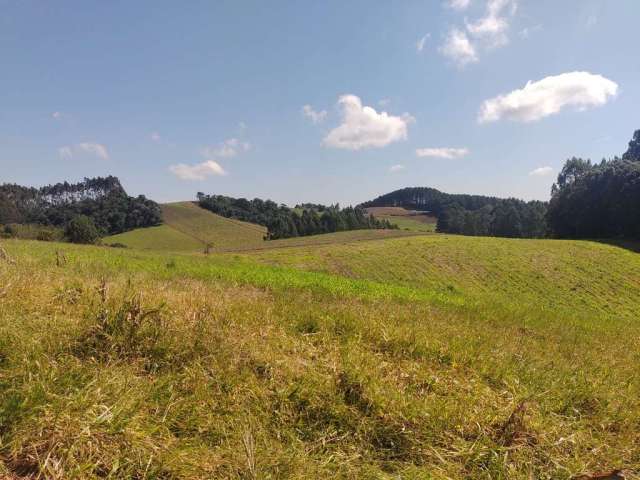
(284, 222)
(600, 200)
(588, 200)
(471, 214)
(102, 201)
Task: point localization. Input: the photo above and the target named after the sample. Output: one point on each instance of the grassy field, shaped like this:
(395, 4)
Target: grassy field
(424, 357)
(405, 219)
(187, 227)
(161, 238)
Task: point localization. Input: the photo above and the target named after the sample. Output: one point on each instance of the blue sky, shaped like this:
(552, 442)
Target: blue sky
(327, 101)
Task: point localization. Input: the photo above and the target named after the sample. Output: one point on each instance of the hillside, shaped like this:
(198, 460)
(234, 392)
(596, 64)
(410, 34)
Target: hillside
(419, 357)
(405, 219)
(475, 215)
(188, 227)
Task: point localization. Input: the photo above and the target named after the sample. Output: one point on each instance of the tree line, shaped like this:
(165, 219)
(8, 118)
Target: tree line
(471, 214)
(588, 200)
(99, 203)
(284, 222)
(598, 200)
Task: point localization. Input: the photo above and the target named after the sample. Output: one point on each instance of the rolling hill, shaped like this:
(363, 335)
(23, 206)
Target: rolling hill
(189, 228)
(427, 356)
(405, 219)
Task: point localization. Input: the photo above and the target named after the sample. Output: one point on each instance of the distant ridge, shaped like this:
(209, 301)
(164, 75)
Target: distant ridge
(429, 199)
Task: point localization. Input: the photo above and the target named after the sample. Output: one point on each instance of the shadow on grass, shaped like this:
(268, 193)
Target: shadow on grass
(631, 245)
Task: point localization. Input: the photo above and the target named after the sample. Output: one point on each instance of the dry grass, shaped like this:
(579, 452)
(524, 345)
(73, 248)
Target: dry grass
(120, 364)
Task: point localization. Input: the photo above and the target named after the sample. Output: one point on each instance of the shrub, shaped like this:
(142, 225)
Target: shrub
(81, 229)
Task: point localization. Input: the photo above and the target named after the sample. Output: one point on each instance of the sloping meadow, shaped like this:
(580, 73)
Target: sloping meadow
(124, 364)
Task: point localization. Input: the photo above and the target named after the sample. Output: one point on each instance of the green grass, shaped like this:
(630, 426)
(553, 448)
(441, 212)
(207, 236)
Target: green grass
(188, 228)
(420, 357)
(409, 223)
(404, 219)
(336, 238)
(208, 227)
(161, 238)
(563, 277)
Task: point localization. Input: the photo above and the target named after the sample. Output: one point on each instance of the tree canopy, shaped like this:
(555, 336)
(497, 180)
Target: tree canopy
(284, 222)
(81, 229)
(471, 214)
(102, 199)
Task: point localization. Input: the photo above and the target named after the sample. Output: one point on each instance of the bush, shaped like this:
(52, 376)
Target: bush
(32, 232)
(117, 245)
(81, 229)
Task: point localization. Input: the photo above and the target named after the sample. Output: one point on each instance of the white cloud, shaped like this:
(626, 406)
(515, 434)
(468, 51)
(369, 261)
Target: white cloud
(363, 127)
(94, 149)
(492, 28)
(199, 171)
(541, 172)
(155, 136)
(548, 96)
(459, 4)
(442, 152)
(396, 168)
(69, 151)
(384, 102)
(526, 32)
(420, 43)
(315, 117)
(65, 153)
(210, 167)
(227, 149)
(489, 31)
(458, 48)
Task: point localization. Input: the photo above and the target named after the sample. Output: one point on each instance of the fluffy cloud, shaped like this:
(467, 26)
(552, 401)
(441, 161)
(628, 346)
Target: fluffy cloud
(442, 152)
(396, 168)
(489, 31)
(315, 117)
(363, 127)
(459, 4)
(458, 48)
(420, 43)
(227, 149)
(210, 167)
(541, 172)
(96, 149)
(548, 96)
(492, 28)
(199, 171)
